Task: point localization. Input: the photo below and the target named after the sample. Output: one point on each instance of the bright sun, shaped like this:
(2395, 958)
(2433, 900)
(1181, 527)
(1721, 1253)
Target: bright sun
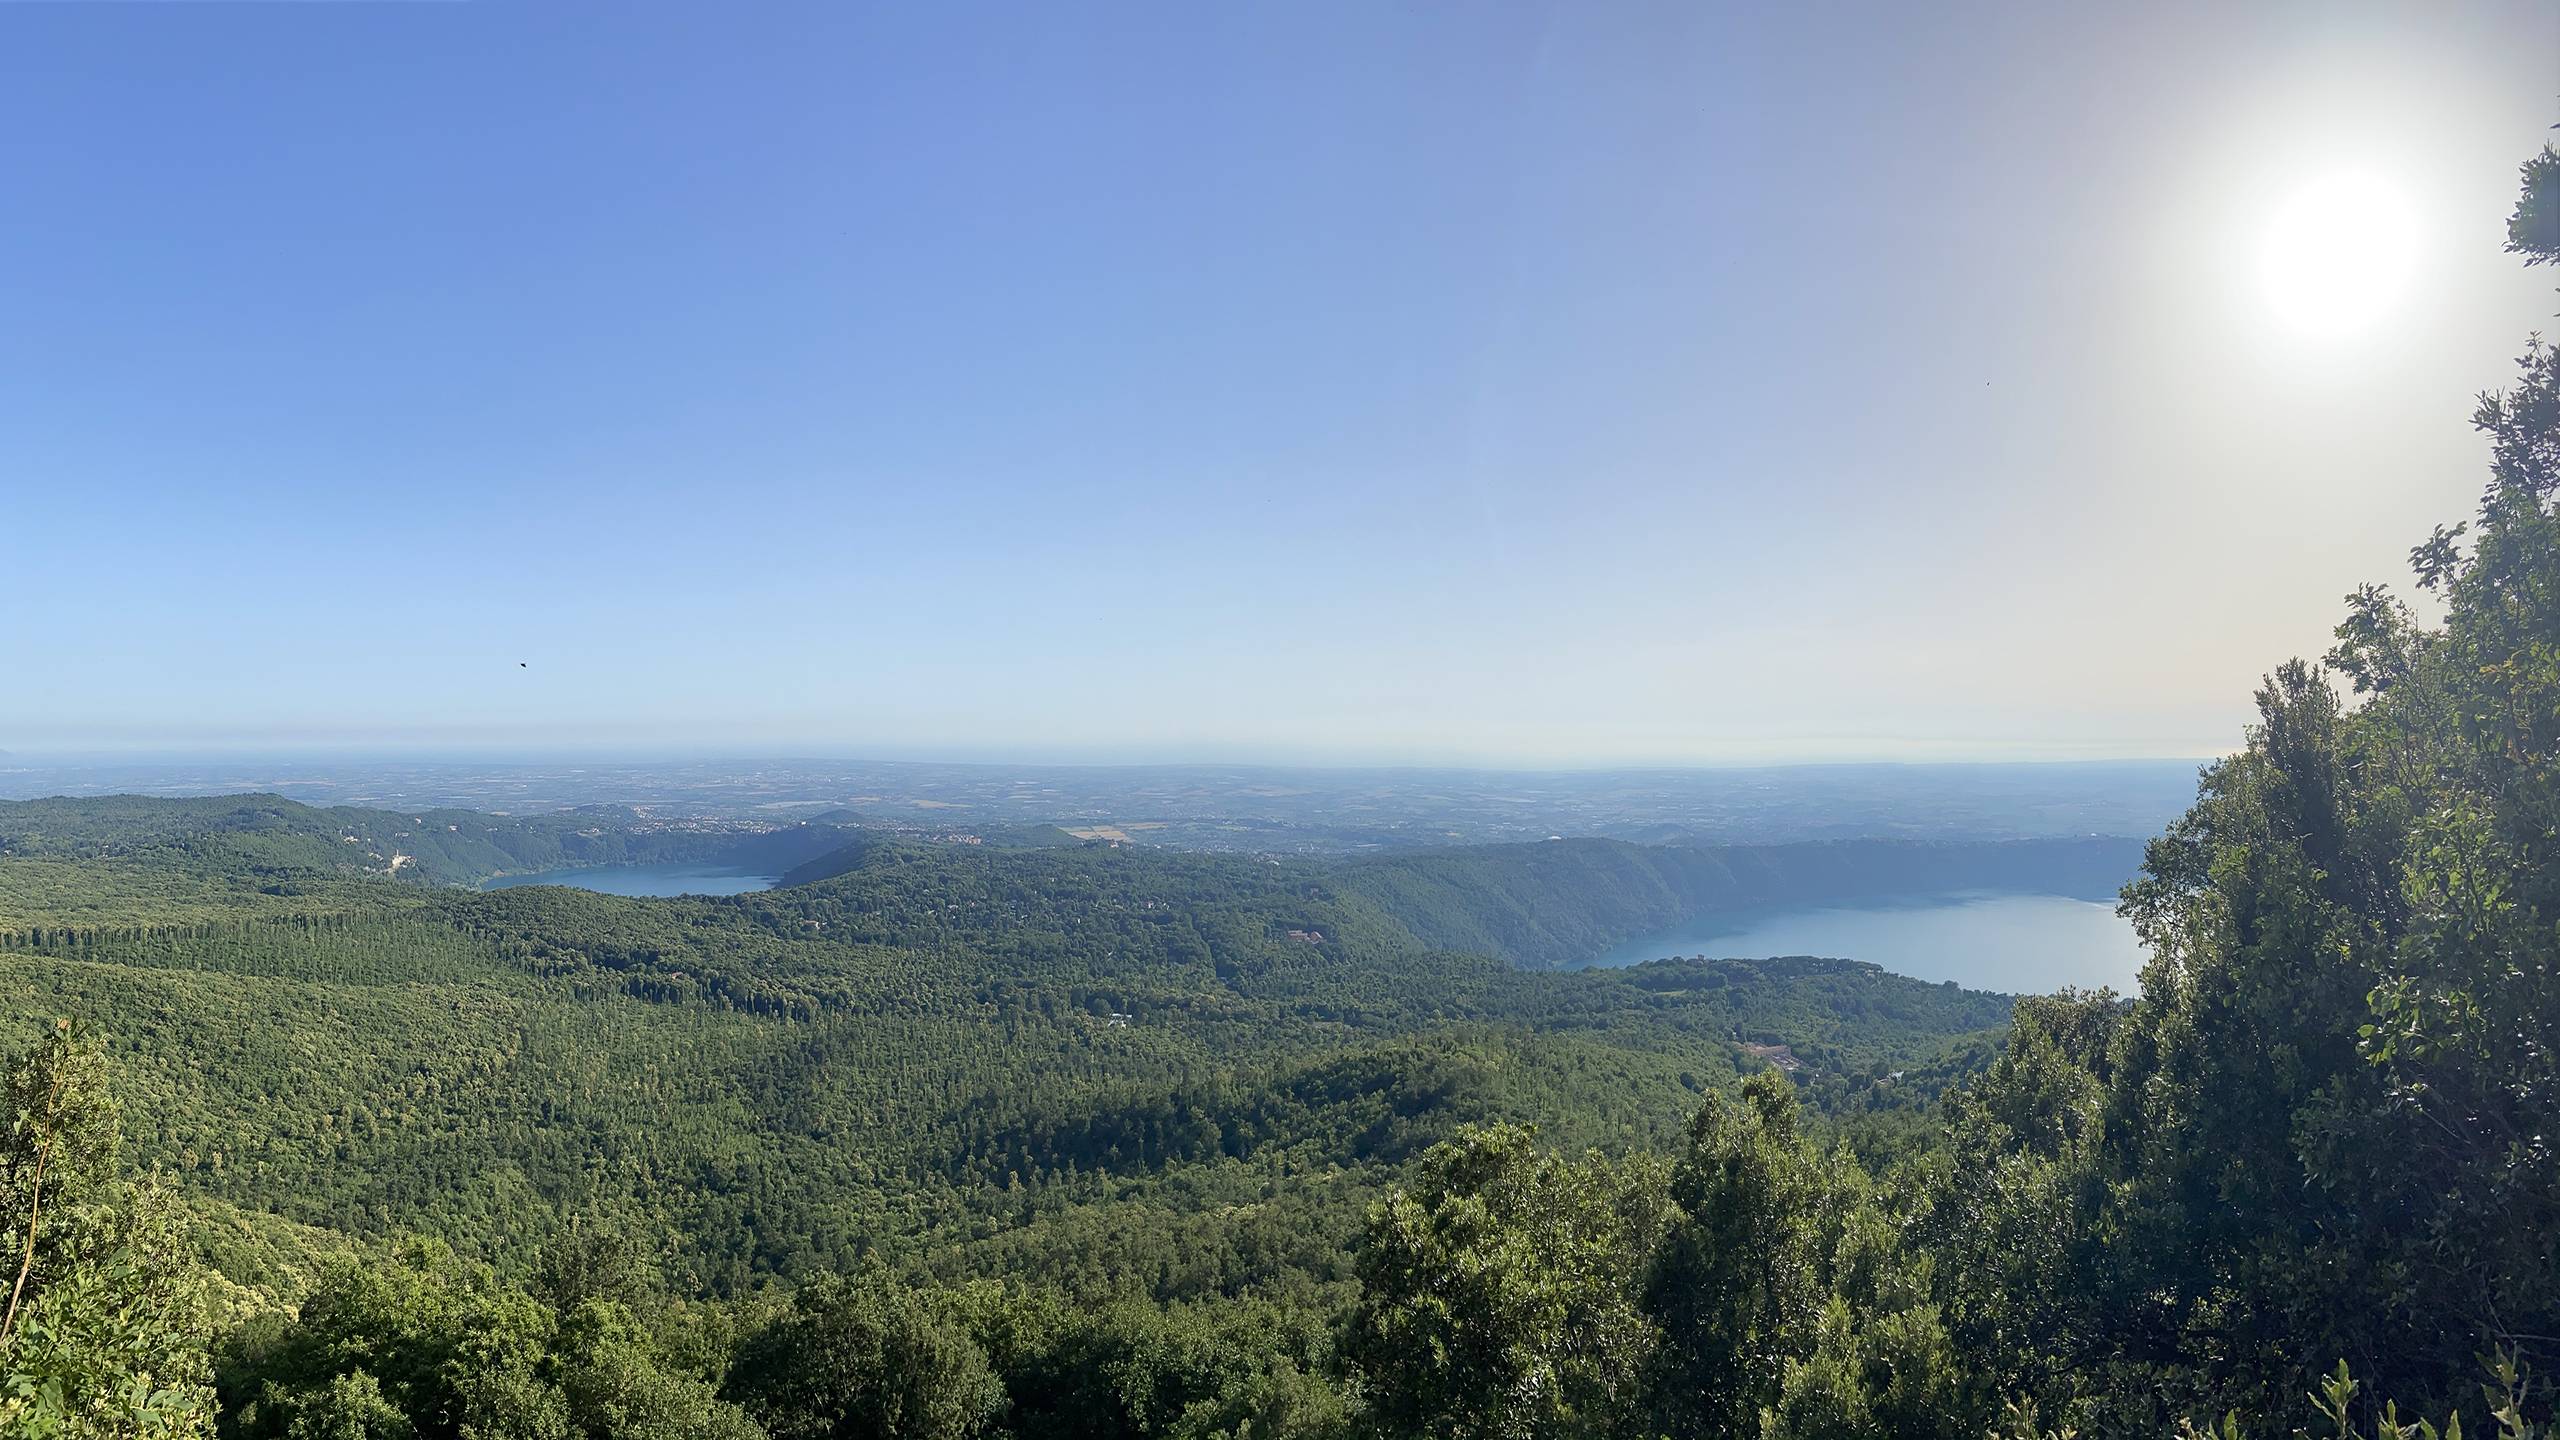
(2337, 255)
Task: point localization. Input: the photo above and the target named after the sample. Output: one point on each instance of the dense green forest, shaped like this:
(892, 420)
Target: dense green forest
(885, 1058)
(959, 1141)
(248, 835)
(1146, 1084)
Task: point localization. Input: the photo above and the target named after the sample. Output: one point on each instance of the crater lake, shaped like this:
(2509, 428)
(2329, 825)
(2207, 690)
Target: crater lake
(2021, 944)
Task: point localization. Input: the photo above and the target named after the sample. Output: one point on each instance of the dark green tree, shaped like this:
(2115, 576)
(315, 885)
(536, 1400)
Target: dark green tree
(1498, 1293)
(1735, 1287)
(870, 1361)
(414, 1342)
(1881, 1365)
(104, 1331)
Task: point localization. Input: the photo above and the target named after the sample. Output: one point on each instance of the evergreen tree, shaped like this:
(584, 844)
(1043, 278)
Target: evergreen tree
(1735, 1287)
(104, 1332)
(1497, 1294)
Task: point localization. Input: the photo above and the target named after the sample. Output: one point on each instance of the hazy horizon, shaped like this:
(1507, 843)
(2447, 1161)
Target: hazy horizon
(1519, 387)
(999, 757)
(1204, 805)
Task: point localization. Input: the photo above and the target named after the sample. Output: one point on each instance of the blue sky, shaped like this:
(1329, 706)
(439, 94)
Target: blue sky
(1534, 383)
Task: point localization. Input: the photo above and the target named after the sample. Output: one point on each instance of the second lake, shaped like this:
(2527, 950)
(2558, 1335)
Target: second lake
(644, 880)
(2022, 944)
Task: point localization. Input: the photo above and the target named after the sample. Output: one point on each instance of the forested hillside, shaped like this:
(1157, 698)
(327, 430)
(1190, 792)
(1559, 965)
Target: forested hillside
(235, 836)
(800, 1076)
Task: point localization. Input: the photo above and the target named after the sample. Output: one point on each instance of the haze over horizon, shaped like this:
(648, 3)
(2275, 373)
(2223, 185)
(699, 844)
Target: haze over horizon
(1590, 387)
(1032, 755)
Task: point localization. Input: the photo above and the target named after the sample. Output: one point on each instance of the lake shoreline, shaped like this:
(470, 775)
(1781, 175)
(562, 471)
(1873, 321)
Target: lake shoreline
(643, 881)
(2014, 942)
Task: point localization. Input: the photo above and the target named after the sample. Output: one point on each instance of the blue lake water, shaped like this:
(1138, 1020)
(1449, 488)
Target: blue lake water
(2023, 944)
(645, 880)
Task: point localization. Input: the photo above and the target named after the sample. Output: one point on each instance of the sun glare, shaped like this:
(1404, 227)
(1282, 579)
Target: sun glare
(2337, 255)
